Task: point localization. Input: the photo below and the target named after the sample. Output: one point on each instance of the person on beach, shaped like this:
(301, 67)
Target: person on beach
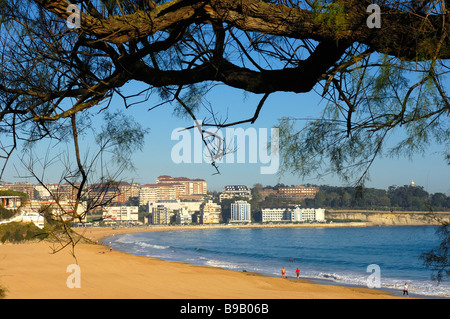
(283, 273)
(405, 289)
(298, 273)
(110, 247)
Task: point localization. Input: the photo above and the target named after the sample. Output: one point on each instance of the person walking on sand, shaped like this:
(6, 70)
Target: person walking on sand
(283, 273)
(405, 289)
(298, 273)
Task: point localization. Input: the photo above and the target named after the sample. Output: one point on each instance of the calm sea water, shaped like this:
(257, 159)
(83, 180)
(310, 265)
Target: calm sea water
(341, 255)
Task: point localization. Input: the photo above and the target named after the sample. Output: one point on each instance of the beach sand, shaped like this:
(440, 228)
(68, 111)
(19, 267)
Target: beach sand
(32, 271)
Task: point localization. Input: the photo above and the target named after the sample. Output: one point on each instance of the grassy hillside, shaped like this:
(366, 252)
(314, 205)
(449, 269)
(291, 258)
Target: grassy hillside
(20, 232)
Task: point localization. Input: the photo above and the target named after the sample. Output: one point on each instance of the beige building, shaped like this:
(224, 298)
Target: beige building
(297, 193)
(148, 193)
(210, 213)
(162, 191)
(160, 215)
(191, 188)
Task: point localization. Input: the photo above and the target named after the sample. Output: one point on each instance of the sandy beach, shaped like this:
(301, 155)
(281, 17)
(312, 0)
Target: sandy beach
(32, 271)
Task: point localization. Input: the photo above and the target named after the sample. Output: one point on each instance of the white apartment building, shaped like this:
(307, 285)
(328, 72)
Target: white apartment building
(231, 191)
(313, 214)
(121, 214)
(240, 212)
(292, 214)
(183, 216)
(277, 214)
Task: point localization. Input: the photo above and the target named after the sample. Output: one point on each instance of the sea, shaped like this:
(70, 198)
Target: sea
(375, 257)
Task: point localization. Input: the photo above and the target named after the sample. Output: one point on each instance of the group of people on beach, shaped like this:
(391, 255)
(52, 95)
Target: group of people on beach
(283, 273)
(297, 272)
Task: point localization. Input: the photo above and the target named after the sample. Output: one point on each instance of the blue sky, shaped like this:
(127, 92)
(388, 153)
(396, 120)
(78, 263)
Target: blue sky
(429, 171)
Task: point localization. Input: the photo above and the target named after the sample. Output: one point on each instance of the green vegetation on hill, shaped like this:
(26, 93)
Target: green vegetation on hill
(20, 232)
(403, 198)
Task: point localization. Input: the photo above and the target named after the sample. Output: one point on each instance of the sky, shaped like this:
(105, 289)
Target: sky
(429, 170)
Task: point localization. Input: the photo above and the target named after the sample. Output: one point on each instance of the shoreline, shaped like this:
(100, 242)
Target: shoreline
(105, 233)
(31, 271)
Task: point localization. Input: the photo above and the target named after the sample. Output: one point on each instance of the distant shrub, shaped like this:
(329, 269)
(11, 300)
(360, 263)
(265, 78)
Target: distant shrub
(20, 232)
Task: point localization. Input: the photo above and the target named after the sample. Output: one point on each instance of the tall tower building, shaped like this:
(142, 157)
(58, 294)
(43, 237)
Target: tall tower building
(240, 211)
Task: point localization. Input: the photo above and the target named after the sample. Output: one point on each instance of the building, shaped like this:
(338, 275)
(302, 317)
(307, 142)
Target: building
(183, 216)
(232, 191)
(297, 193)
(127, 191)
(103, 194)
(160, 215)
(210, 213)
(276, 214)
(121, 214)
(292, 214)
(313, 214)
(172, 188)
(240, 212)
(23, 187)
(194, 189)
(10, 202)
(66, 210)
(174, 205)
(148, 193)
(162, 191)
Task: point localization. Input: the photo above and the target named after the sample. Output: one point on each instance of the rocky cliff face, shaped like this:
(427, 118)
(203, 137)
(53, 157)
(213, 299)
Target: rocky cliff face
(390, 219)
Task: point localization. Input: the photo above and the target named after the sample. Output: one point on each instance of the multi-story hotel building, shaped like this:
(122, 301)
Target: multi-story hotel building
(275, 214)
(155, 192)
(190, 189)
(292, 214)
(232, 191)
(210, 213)
(240, 212)
(172, 188)
(297, 193)
(160, 215)
(148, 193)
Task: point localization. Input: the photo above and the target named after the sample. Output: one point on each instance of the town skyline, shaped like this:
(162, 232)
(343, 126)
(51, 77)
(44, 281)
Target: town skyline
(219, 188)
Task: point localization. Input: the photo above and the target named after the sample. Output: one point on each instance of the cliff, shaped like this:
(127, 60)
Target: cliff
(388, 218)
